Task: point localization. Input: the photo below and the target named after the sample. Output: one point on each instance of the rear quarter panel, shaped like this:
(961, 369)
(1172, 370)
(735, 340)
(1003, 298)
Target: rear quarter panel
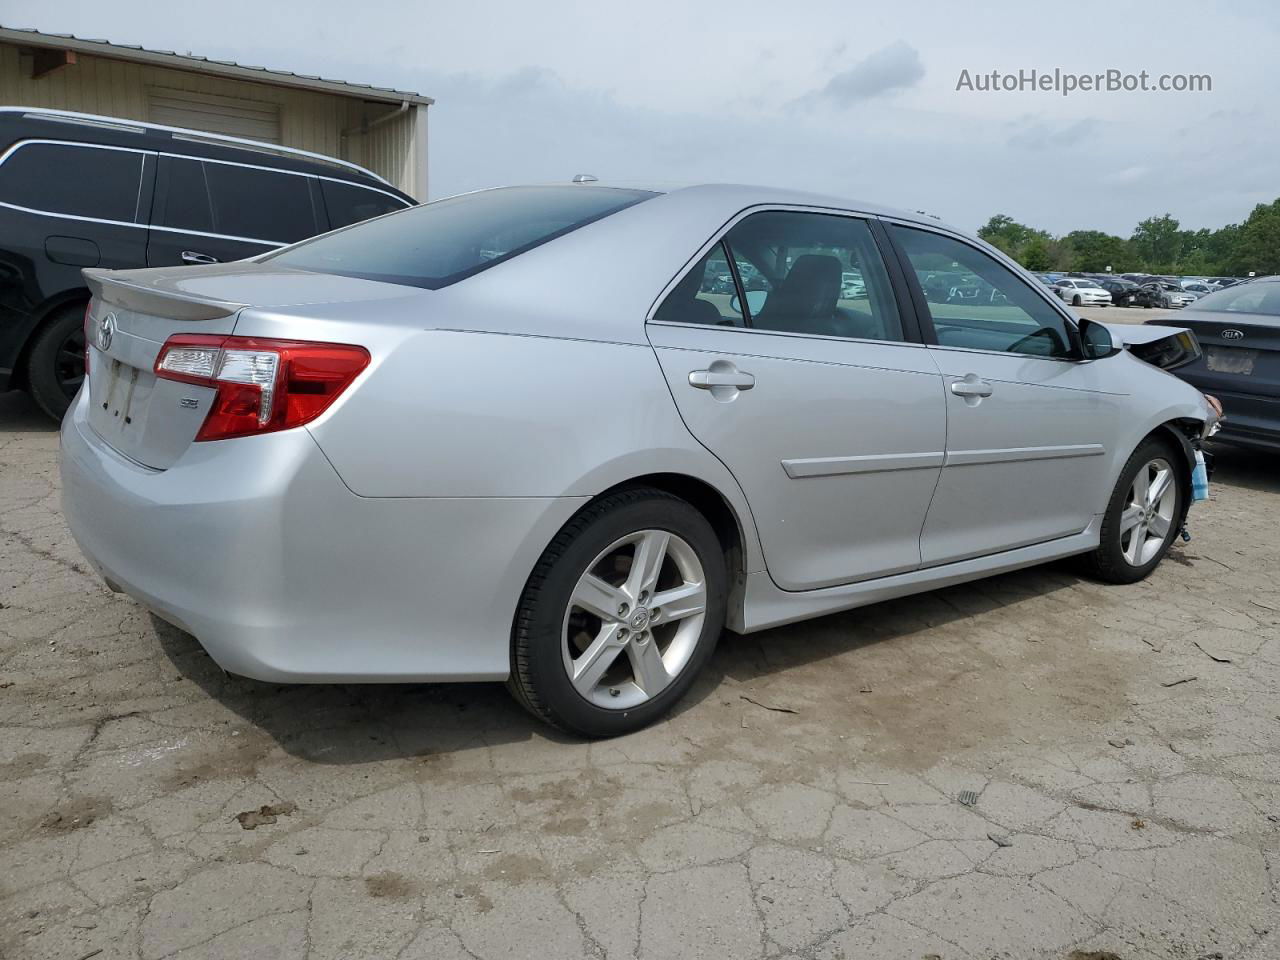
(451, 413)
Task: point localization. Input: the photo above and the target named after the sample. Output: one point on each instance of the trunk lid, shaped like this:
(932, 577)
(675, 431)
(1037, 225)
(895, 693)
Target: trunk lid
(152, 421)
(1241, 352)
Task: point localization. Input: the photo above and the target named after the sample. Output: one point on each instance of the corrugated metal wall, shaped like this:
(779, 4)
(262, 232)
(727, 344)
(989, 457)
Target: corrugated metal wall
(309, 120)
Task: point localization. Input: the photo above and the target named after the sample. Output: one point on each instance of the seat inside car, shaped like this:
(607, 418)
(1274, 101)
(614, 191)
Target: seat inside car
(809, 293)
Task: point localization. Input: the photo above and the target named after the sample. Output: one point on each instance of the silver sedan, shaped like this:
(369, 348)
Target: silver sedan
(563, 436)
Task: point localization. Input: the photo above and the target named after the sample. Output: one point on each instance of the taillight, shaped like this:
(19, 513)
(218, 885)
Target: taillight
(263, 385)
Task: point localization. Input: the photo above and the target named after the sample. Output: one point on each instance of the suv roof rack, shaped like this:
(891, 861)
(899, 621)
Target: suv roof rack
(184, 133)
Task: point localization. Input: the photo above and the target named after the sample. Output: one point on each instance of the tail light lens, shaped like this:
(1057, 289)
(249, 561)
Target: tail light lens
(263, 385)
(88, 339)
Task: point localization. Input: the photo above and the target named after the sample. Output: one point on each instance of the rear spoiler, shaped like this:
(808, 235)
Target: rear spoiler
(1165, 347)
(153, 292)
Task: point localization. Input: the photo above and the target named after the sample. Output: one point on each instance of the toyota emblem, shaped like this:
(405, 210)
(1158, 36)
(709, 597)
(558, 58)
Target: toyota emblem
(1231, 333)
(106, 330)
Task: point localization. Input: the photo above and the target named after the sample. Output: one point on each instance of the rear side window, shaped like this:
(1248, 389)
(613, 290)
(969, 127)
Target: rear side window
(440, 243)
(260, 204)
(186, 196)
(347, 204)
(78, 181)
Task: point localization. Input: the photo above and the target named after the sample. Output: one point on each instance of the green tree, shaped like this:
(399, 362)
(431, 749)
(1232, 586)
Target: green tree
(1093, 251)
(1258, 244)
(1157, 241)
(1035, 254)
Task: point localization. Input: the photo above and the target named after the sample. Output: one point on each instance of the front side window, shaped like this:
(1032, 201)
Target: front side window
(78, 181)
(347, 203)
(436, 244)
(978, 303)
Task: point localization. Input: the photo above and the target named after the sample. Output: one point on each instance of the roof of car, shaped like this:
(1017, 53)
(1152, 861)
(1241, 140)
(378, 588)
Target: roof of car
(25, 123)
(748, 195)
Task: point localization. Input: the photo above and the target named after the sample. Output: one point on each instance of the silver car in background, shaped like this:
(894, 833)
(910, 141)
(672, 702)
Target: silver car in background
(533, 434)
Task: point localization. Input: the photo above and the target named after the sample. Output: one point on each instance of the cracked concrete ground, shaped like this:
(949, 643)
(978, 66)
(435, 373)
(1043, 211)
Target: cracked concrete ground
(1119, 811)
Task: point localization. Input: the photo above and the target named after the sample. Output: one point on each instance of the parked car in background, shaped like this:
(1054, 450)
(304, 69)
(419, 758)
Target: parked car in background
(1163, 293)
(337, 463)
(1239, 333)
(1199, 287)
(82, 191)
(1122, 291)
(1081, 292)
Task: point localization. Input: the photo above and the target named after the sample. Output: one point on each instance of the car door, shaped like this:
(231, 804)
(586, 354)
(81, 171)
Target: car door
(1028, 422)
(214, 211)
(827, 413)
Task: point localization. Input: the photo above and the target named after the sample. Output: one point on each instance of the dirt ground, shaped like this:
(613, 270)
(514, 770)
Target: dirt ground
(1030, 766)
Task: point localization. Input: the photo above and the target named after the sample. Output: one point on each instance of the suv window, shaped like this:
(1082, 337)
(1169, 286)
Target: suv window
(347, 203)
(436, 244)
(237, 201)
(813, 273)
(978, 303)
(706, 294)
(260, 204)
(51, 177)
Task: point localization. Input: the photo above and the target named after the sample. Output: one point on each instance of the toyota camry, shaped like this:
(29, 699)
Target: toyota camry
(563, 436)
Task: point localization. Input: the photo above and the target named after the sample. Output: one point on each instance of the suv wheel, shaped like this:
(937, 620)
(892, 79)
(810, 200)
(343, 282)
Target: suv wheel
(619, 615)
(55, 362)
(1143, 515)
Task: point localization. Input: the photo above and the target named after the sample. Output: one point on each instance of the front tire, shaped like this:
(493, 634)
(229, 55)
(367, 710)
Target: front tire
(621, 612)
(1143, 515)
(1075, 301)
(55, 363)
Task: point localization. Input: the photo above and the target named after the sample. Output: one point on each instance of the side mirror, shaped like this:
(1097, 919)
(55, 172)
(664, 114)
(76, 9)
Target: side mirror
(1096, 341)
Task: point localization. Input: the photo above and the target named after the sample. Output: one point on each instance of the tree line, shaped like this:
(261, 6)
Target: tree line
(1157, 245)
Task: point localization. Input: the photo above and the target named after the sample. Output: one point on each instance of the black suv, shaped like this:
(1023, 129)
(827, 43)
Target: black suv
(83, 191)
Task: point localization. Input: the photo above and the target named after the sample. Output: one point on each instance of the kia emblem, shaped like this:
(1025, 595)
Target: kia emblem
(1231, 333)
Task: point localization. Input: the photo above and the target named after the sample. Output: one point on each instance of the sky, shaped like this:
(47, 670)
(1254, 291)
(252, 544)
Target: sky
(853, 99)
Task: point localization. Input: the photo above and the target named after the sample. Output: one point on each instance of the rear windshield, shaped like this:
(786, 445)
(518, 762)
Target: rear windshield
(440, 243)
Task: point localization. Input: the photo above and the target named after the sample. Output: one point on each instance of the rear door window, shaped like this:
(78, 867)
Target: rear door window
(73, 180)
(185, 200)
(257, 204)
(347, 203)
(436, 244)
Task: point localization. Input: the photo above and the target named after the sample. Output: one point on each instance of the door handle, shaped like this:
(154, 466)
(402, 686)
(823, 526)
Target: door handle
(971, 386)
(709, 379)
(192, 256)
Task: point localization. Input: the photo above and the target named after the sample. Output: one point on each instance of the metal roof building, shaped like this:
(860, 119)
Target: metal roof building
(377, 127)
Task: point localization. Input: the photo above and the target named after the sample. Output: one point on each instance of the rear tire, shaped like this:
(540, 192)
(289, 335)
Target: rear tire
(593, 629)
(55, 362)
(1143, 516)
(1075, 301)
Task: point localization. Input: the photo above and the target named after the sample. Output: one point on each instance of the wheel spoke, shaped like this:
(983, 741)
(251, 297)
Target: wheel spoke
(597, 597)
(597, 658)
(646, 662)
(651, 551)
(687, 600)
(1159, 526)
(1159, 486)
(1131, 517)
(1141, 484)
(1136, 539)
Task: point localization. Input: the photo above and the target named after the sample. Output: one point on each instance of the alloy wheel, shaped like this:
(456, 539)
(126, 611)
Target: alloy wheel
(69, 363)
(1148, 514)
(634, 618)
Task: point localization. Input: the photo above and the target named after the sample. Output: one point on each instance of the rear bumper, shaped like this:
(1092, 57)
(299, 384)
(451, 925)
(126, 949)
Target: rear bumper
(257, 548)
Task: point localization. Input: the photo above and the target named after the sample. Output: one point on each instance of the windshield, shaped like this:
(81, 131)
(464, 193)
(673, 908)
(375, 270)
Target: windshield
(440, 243)
(1258, 297)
